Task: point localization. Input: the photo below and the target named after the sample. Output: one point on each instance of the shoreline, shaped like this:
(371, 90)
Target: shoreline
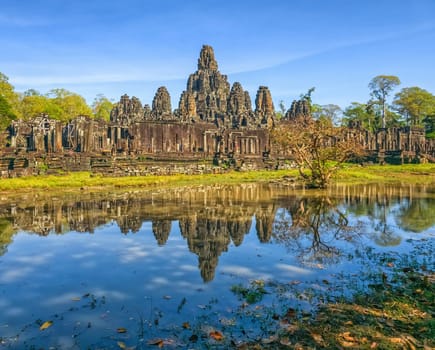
(86, 181)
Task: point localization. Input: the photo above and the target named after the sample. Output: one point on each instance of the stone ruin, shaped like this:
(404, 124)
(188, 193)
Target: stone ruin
(214, 122)
(299, 110)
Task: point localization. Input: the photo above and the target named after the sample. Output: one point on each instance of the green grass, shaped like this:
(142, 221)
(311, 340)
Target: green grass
(80, 180)
(409, 173)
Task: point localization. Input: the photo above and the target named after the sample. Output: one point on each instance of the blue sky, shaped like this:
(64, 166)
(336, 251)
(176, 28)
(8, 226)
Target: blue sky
(133, 46)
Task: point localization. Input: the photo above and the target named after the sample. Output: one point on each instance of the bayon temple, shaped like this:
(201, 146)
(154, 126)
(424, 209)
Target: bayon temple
(215, 126)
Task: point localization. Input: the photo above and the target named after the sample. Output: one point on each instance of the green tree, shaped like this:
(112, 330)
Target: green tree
(362, 113)
(31, 92)
(102, 107)
(6, 113)
(68, 105)
(429, 123)
(380, 87)
(32, 104)
(415, 104)
(7, 91)
(307, 95)
(330, 113)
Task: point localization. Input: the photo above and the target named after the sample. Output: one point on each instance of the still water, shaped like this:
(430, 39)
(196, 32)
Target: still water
(118, 270)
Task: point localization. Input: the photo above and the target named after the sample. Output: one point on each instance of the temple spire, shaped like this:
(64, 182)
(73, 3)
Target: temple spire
(206, 59)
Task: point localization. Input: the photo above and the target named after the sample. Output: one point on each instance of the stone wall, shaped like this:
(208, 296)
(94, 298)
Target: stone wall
(214, 123)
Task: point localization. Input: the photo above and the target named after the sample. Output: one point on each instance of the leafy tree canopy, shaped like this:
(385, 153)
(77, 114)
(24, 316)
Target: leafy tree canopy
(415, 104)
(68, 105)
(361, 113)
(6, 113)
(101, 107)
(7, 91)
(330, 113)
(380, 87)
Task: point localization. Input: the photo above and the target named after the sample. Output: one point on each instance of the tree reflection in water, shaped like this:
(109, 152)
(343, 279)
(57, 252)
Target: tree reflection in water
(315, 225)
(312, 227)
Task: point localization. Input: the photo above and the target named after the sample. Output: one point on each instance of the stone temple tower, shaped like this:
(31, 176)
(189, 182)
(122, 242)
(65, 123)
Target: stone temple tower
(207, 90)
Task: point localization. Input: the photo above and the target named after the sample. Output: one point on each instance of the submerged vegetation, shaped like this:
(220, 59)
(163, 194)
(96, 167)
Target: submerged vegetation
(388, 305)
(383, 301)
(395, 311)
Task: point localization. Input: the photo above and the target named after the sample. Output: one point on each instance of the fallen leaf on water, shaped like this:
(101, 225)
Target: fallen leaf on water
(346, 336)
(317, 338)
(156, 342)
(348, 344)
(121, 345)
(121, 330)
(186, 325)
(45, 325)
(216, 335)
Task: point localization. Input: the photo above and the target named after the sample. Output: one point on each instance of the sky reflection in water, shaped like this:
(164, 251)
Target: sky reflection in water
(94, 263)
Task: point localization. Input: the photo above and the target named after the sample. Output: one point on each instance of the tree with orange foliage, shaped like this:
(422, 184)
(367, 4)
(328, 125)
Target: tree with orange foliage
(317, 147)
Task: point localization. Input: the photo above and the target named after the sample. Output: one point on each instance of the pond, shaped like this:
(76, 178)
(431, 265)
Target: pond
(173, 268)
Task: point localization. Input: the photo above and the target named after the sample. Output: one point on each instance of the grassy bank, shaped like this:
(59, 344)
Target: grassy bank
(411, 173)
(85, 180)
(407, 173)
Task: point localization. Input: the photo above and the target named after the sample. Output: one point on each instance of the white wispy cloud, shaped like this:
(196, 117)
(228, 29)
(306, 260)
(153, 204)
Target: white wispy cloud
(15, 21)
(281, 58)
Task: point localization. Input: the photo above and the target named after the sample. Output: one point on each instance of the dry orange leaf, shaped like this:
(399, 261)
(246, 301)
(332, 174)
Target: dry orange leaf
(216, 335)
(186, 325)
(45, 325)
(157, 342)
(121, 330)
(317, 338)
(346, 336)
(121, 345)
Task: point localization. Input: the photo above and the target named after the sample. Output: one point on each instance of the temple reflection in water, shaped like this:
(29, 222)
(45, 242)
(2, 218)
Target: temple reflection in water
(210, 218)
